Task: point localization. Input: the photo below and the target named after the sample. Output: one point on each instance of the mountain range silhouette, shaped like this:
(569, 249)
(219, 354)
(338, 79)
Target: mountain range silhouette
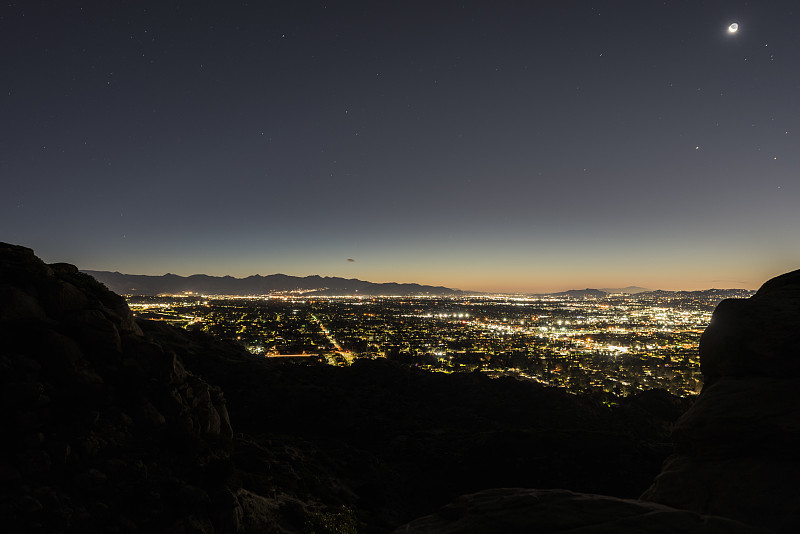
(137, 284)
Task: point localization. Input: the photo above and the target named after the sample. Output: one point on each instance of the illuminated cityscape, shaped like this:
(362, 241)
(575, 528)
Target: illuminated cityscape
(617, 343)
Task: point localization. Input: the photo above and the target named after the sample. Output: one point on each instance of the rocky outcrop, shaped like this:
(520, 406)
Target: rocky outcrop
(736, 448)
(511, 510)
(104, 429)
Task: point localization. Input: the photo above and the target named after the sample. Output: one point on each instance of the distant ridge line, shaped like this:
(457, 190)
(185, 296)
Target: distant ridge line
(589, 293)
(255, 285)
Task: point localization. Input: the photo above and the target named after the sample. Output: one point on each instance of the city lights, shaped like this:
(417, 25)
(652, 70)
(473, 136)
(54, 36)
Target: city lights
(619, 343)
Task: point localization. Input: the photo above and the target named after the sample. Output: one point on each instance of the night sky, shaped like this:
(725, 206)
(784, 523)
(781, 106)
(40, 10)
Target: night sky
(498, 146)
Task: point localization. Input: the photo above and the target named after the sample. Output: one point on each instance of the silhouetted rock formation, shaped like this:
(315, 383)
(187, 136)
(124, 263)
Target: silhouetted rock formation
(737, 447)
(105, 431)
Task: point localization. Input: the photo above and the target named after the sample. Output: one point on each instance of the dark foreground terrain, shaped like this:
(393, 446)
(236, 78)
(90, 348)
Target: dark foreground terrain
(116, 425)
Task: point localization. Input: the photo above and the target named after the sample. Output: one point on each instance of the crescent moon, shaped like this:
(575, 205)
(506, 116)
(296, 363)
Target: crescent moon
(733, 28)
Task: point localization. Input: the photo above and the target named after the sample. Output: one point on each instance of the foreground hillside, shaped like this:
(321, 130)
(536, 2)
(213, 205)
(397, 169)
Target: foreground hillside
(403, 441)
(121, 426)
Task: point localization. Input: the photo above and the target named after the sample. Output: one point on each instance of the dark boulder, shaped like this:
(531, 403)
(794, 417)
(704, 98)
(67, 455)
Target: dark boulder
(736, 448)
(759, 336)
(104, 429)
(513, 510)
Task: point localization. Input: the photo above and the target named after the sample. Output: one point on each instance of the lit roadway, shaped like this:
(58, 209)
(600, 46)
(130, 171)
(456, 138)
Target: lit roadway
(346, 354)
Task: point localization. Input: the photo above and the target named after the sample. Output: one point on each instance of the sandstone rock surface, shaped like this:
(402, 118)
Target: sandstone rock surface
(513, 510)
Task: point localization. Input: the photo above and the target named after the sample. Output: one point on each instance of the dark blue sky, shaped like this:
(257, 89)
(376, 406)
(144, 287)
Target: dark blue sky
(511, 146)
